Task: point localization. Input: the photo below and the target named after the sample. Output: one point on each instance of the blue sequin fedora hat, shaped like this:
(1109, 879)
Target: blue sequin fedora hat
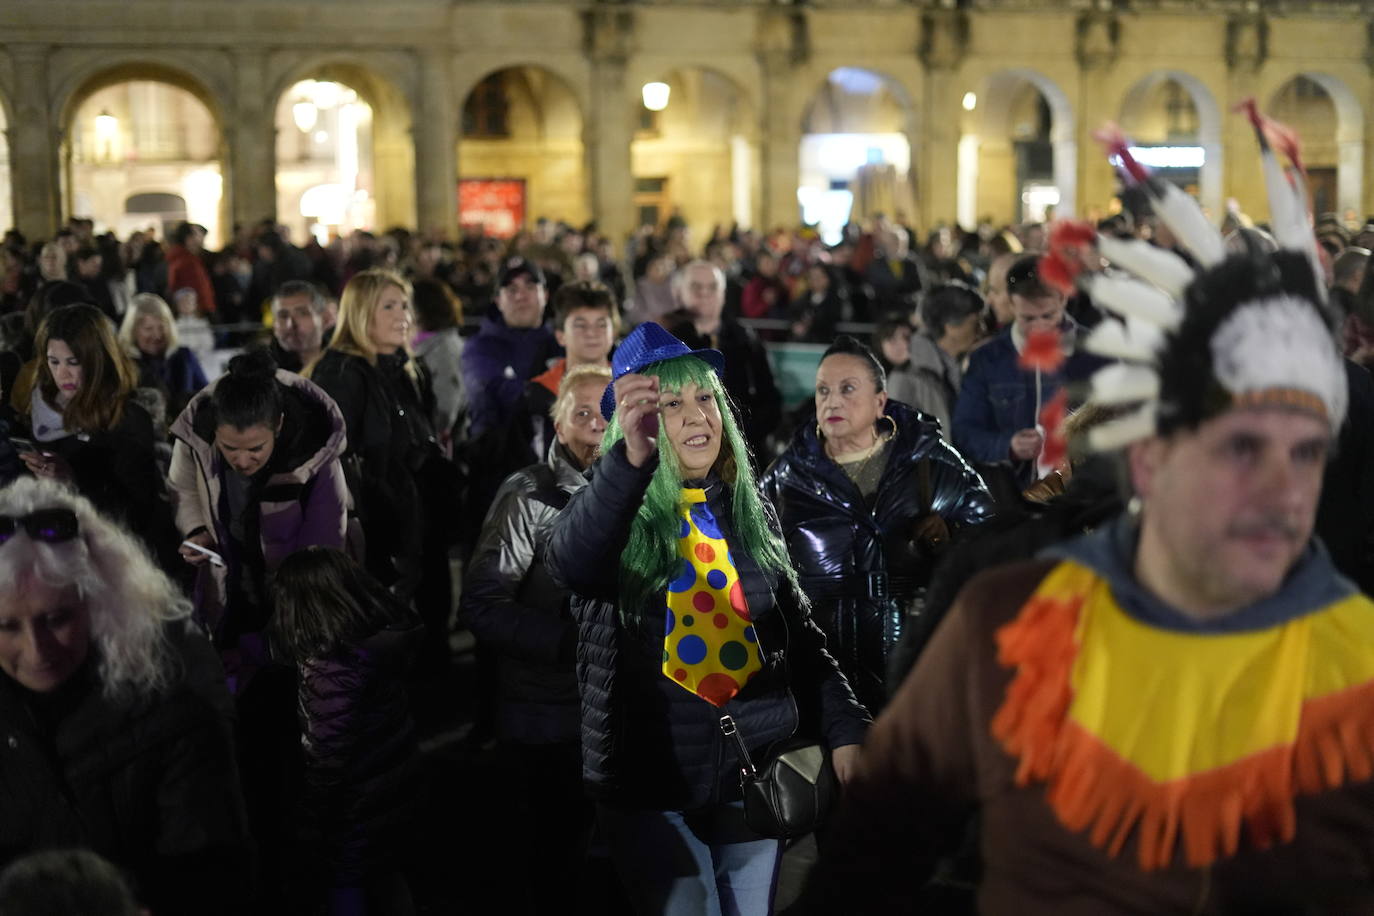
(648, 344)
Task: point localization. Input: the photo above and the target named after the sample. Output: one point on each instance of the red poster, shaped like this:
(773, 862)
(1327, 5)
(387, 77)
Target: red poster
(497, 205)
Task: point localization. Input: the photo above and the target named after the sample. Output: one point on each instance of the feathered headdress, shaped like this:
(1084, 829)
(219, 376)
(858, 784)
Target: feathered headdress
(1197, 337)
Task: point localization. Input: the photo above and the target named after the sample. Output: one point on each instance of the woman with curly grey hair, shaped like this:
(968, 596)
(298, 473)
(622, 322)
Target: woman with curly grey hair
(115, 725)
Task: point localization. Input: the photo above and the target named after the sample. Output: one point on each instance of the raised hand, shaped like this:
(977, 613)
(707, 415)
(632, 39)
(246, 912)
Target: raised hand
(636, 402)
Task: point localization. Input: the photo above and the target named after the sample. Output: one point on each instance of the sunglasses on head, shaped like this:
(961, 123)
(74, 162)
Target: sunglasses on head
(51, 526)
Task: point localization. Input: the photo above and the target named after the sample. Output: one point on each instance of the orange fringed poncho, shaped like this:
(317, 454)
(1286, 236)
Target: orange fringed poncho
(1182, 738)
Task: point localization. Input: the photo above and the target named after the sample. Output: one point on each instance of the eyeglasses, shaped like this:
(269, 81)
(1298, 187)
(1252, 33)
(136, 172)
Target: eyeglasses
(52, 526)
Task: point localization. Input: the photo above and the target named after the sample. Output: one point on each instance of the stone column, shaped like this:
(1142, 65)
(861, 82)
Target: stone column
(782, 45)
(944, 43)
(33, 142)
(250, 144)
(780, 144)
(608, 127)
(1081, 169)
(436, 147)
(1247, 50)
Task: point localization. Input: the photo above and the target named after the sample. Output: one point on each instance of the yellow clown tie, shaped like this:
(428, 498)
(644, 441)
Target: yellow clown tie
(709, 646)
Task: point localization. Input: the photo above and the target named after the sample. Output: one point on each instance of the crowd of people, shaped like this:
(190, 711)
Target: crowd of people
(228, 586)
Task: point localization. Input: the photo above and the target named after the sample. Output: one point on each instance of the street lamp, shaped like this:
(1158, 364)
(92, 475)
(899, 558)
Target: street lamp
(656, 96)
(305, 114)
(106, 124)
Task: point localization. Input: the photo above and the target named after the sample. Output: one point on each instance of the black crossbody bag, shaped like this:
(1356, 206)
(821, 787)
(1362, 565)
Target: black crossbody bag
(791, 794)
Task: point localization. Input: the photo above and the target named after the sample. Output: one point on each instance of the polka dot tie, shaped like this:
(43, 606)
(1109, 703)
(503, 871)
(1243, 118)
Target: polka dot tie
(710, 647)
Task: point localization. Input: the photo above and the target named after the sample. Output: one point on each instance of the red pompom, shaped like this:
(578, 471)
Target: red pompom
(1042, 351)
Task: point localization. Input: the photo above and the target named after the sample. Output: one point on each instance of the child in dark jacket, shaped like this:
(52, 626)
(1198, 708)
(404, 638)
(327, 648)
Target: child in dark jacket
(352, 643)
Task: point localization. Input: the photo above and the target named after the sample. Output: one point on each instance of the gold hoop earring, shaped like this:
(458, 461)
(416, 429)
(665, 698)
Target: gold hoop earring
(894, 424)
(818, 431)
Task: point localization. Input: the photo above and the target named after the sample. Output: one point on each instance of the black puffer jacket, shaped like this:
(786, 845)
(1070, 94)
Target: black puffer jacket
(361, 756)
(149, 782)
(859, 566)
(647, 742)
(512, 604)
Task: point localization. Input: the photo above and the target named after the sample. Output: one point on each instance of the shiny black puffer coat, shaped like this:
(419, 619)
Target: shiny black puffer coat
(858, 566)
(361, 756)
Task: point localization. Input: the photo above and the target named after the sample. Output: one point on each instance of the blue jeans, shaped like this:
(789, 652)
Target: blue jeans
(692, 863)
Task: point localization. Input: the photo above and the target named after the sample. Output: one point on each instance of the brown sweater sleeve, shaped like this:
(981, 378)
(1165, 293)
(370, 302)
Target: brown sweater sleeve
(925, 764)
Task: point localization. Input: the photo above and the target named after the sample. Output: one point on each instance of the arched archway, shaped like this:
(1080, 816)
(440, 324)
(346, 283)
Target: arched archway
(521, 155)
(359, 148)
(856, 153)
(325, 177)
(1175, 114)
(143, 129)
(697, 156)
(1328, 117)
(1019, 156)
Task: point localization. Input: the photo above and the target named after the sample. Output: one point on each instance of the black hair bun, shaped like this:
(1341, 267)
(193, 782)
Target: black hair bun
(257, 361)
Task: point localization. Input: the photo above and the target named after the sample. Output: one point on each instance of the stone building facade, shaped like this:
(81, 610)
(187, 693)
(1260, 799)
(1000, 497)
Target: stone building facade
(957, 75)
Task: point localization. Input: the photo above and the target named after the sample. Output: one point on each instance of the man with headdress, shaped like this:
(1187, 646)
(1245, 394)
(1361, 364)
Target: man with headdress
(1172, 714)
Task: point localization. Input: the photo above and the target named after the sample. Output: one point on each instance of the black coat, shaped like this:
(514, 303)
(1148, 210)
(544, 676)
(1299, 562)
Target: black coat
(513, 606)
(1345, 515)
(149, 782)
(390, 439)
(118, 471)
(361, 757)
(858, 565)
(647, 742)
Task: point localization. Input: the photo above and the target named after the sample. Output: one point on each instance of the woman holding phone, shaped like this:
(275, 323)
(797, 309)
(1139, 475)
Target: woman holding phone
(255, 477)
(89, 431)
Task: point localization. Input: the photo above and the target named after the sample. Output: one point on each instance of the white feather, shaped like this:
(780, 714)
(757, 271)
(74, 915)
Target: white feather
(1134, 298)
(1287, 215)
(1280, 343)
(1309, 239)
(1115, 340)
(1124, 384)
(1187, 222)
(1157, 265)
(1133, 427)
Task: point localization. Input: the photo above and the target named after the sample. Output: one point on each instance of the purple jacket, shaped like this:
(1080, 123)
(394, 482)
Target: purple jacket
(496, 364)
(301, 497)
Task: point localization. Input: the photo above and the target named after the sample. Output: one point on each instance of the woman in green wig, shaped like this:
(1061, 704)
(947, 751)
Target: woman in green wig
(688, 610)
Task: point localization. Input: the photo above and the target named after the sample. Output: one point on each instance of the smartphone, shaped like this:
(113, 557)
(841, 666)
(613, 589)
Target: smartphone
(215, 558)
(23, 445)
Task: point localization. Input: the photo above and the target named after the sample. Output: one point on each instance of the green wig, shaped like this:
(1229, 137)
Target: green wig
(650, 560)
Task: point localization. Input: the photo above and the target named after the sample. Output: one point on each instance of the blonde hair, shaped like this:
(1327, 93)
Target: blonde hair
(357, 306)
(571, 379)
(130, 600)
(150, 305)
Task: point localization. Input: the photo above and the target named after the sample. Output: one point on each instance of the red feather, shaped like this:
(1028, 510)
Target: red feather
(1114, 141)
(1072, 233)
(1059, 272)
(1052, 417)
(1275, 134)
(1042, 351)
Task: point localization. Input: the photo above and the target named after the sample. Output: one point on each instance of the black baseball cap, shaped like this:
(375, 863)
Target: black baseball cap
(517, 266)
